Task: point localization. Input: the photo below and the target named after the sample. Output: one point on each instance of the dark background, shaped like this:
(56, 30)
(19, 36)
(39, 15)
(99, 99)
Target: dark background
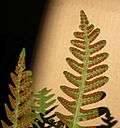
(20, 21)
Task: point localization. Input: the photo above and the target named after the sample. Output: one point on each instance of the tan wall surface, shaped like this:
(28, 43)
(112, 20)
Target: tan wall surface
(61, 21)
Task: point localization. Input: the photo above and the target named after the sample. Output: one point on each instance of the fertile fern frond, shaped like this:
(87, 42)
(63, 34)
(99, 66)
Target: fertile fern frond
(44, 105)
(89, 77)
(22, 115)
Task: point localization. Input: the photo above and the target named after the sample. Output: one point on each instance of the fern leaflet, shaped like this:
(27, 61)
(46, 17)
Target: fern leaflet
(43, 107)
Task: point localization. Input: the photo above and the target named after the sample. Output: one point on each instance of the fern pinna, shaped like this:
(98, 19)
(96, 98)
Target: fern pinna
(89, 78)
(20, 98)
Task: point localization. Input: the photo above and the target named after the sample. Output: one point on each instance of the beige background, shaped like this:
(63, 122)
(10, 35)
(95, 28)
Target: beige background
(61, 20)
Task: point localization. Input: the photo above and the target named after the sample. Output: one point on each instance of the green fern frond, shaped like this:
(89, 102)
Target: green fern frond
(44, 105)
(22, 115)
(89, 77)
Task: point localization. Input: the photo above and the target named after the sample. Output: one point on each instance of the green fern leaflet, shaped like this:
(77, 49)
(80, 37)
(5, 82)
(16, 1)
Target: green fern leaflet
(88, 79)
(44, 105)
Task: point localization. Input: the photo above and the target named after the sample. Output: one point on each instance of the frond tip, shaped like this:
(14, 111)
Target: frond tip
(88, 78)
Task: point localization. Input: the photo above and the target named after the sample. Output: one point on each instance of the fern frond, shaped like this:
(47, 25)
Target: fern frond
(44, 105)
(88, 78)
(22, 115)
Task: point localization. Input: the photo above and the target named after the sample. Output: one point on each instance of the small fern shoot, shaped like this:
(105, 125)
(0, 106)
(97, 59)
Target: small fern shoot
(44, 105)
(88, 79)
(21, 96)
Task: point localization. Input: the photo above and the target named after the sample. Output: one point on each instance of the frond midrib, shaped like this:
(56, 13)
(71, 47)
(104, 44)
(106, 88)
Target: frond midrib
(83, 80)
